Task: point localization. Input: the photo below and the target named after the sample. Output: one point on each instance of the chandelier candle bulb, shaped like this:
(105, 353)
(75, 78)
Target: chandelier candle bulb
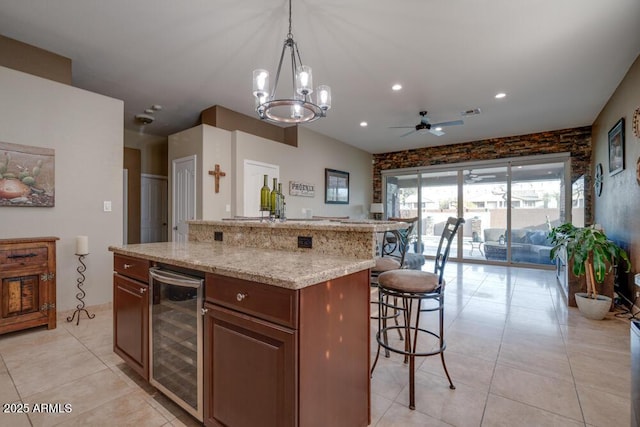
(261, 84)
(82, 245)
(323, 93)
(304, 80)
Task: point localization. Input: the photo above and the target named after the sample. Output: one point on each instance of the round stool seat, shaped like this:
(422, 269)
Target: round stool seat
(385, 263)
(412, 281)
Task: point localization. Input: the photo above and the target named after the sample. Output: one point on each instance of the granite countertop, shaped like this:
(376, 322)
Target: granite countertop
(357, 225)
(292, 270)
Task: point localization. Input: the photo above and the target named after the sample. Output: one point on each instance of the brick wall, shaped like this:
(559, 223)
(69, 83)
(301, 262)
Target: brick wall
(576, 141)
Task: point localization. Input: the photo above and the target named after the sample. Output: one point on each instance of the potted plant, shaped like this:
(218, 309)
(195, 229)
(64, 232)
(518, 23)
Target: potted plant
(593, 255)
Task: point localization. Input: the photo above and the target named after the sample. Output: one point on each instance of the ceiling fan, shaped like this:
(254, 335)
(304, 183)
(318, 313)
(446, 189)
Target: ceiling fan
(425, 125)
(470, 177)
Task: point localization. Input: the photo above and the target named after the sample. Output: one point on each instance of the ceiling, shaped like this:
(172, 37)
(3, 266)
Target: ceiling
(557, 61)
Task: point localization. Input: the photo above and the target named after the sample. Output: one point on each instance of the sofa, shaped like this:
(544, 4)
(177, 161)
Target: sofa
(527, 245)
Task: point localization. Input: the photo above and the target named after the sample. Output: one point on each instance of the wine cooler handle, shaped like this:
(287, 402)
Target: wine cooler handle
(241, 296)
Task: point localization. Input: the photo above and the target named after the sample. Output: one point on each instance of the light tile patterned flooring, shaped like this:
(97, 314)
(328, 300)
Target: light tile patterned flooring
(517, 355)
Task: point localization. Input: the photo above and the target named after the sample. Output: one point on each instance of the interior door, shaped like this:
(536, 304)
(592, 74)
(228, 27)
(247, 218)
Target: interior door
(153, 224)
(254, 173)
(184, 196)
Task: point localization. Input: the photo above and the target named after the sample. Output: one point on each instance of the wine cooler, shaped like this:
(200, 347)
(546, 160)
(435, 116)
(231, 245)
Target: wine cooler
(175, 341)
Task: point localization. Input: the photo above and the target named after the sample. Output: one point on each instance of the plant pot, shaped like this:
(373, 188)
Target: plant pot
(593, 308)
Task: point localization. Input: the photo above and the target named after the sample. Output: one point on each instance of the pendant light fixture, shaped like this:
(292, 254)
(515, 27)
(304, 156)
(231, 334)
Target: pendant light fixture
(299, 108)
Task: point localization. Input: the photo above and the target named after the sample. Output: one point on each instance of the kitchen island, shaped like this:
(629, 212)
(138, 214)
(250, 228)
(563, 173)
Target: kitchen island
(286, 332)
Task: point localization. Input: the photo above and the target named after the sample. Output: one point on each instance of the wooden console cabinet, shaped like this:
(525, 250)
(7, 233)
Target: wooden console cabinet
(131, 312)
(28, 282)
(280, 357)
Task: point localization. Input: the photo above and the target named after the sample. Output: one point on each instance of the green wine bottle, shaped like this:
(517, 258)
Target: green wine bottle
(273, 208)
(265, 196)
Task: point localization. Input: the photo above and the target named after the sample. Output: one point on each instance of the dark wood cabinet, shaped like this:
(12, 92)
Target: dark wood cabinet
(131, 312)
(28, 283)
(251, 367)
(281, 357)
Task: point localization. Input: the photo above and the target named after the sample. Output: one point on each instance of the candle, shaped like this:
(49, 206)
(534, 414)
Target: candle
(82, 245)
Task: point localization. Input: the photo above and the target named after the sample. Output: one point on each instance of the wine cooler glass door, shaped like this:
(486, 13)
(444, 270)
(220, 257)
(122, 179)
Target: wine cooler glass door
(176, 338)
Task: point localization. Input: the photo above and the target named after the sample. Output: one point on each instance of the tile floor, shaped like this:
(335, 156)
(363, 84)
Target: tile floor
(517, 356)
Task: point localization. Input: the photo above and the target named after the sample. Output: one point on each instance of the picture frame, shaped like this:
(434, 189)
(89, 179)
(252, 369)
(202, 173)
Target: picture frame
(616, 148)
(27, 175)
(336, 187)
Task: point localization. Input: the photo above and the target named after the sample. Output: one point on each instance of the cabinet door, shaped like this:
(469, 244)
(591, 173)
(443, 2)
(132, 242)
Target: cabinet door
(23, 302)
(131, 323)
(250, 371)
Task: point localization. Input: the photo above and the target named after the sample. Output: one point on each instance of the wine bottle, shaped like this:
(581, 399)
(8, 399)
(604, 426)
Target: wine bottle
(280, 202)
(265, 196)
(273, 208)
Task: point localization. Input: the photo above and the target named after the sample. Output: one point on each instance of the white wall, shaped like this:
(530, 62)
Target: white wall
(216, 150)
(211, 146)
(307, 163)
(86, 132)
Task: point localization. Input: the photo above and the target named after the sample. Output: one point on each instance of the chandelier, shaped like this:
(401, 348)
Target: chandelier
(299, 108)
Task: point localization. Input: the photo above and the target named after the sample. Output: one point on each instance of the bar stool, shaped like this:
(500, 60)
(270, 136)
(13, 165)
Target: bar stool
(392, 254)
(414, 286)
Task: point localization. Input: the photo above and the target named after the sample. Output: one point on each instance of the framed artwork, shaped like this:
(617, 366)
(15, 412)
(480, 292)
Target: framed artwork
(26, 175)
(616, 148)
(336, 187)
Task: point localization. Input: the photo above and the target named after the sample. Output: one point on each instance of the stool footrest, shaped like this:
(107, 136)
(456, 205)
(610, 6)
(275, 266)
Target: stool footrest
(381, 342)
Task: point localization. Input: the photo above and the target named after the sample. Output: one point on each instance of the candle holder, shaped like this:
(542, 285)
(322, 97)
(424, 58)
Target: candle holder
(81, 294)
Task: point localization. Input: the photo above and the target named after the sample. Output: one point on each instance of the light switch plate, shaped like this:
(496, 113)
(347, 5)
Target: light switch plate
(107, 205)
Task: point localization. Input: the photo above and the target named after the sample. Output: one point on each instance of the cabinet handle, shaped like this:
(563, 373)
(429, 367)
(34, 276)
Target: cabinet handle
(204, 311)
(16, 256)
(127, 266)
(241, 296)
(143, 290)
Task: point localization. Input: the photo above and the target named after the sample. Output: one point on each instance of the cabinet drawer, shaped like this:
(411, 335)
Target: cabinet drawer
(132, 267)
(267, 302)
(18, 257)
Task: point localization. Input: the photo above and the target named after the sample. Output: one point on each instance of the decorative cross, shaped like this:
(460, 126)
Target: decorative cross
(217, 173)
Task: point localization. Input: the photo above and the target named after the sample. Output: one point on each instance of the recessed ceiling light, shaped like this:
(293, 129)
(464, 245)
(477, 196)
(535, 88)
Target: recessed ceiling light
(364, 124)
(438, 129)
(500, 95)
(396, 87)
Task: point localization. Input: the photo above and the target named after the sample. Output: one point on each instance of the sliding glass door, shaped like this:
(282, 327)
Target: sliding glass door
(509, 206)
(485, 212)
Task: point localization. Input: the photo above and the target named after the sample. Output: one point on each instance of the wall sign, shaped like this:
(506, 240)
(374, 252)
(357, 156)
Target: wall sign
(304, 189)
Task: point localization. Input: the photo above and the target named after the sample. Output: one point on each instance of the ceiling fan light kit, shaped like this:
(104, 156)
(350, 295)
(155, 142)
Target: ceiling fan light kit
(299, 108)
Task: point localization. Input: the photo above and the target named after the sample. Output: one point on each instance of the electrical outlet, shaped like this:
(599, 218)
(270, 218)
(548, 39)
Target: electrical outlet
(217, 236)
(305, 242)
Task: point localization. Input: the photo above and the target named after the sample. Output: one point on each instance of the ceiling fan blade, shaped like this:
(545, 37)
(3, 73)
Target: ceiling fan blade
(401, 127)
(451, 123)
(408, 133)
(436, 132)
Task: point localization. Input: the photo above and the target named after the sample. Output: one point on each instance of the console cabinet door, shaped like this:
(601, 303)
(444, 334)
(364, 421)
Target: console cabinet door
(131, 323)
(250, 371)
